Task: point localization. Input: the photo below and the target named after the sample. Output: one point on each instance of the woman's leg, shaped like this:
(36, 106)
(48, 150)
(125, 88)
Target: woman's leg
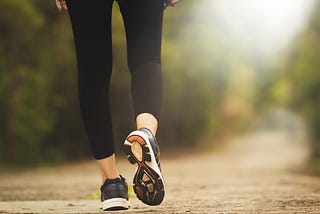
(91, 23)
(143, 25)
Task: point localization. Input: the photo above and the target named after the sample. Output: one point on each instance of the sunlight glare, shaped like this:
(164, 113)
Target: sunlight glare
(263, 25)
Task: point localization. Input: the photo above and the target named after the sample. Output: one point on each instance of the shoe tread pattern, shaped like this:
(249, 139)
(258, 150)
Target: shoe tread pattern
(148, 185)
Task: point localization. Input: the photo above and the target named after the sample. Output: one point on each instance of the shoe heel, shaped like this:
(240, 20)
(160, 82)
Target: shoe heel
(137, 150)
(154, 197)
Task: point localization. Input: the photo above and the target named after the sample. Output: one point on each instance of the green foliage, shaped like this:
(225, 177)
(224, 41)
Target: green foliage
(306, 79)
(299, 86)
(35, 81)
(17, 38)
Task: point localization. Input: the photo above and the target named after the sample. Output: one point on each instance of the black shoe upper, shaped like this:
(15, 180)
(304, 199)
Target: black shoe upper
(154, 144)
(114, 188)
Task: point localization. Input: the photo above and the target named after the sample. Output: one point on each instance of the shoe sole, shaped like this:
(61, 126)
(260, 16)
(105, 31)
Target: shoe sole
(148, 183)
(115, 204)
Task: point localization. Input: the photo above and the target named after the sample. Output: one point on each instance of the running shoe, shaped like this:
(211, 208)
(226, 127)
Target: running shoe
(141, 148)
(114, 194)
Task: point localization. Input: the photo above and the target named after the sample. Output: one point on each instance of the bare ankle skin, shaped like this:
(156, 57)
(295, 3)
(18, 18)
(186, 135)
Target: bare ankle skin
(147, 120)
(108, 168)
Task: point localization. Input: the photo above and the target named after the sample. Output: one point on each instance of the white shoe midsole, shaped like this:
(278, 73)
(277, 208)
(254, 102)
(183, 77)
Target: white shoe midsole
(153, 164)
(115, 202)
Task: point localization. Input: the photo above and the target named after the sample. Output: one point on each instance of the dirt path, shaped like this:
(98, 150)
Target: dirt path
(250, 175)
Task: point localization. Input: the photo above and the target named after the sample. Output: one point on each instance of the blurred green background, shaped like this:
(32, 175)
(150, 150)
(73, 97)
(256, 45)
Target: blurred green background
(230, 68)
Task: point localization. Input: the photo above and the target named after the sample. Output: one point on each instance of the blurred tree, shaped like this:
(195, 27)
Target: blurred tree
(305, 78)
(16, 62)
(36, 84)
(299, 86)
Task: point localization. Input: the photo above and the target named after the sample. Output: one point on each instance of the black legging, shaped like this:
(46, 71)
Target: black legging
(91, 24)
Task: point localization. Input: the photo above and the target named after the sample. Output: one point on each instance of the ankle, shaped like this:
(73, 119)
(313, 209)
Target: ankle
(147, 120)
(108, 169)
